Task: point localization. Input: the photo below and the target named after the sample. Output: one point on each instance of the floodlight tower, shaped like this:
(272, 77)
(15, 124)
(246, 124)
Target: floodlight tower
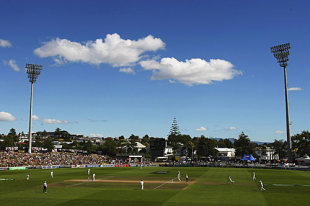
(281, 53)
(33, 71)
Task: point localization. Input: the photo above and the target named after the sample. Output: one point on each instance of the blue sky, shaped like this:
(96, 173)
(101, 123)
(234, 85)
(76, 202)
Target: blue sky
(116, 68)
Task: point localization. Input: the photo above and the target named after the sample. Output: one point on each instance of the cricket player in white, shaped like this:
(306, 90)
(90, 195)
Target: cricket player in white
(142, 184)
(44, 187)
(52, 174)
(230, 180)
(179, 175)
(186, 177)
(261, 185)
(254, 176)
(27, 177)
(94, 177)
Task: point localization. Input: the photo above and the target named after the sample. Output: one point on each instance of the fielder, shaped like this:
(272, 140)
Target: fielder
(179, 175)
(52, 174)
(186, 176)
(27, 177)
(88, 172)
(94, 176)
(44, 187)
(254, 176)
(261, 185)
(142, 184)
(230, 180)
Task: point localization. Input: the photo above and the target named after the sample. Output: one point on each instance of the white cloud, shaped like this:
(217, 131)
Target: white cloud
(232, 128)
(294, 89)
(127, 70)
(5, 116)
(95, 135)
(172, 81)
(279, 132)
(112, 50)
(54, 121)
(49, 121)
(192, 71)
(12, 64)
(35, 117)
(201, 129)
(5, 43)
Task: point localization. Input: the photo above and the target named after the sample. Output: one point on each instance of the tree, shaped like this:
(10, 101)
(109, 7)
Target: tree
(191, 149)
(44, 133)
(145, 140)
(173, 141)
(221, 144)
(48, 144)
(108, 148)
(206, 147)
(228, 143)
(174, 130)
(8, 142)
(243, 145)
(280, 148)
(301, 143)
(57, 131)
(89, 147)
(37, 144)
(134, 137)
(13, 134)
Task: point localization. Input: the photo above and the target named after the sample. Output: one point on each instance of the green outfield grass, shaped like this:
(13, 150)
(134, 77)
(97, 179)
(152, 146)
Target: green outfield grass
(210, 187)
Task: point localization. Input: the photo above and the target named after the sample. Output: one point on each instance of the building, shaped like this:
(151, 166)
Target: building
(140, 146)
(266, 153)
(227, 153)
(168, 150)
(125, 158)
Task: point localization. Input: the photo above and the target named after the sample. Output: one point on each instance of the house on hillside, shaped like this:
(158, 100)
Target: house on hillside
(140, 146)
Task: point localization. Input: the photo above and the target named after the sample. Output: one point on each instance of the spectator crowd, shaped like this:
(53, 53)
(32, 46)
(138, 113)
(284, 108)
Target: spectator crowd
(15, 159)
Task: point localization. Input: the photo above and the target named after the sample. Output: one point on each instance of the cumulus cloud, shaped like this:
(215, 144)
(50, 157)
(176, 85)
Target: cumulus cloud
(49, 121)
(5, 116)
(294, 89)
(232, 128)
(127, 70)
(201, 129)
(12, 64)
(279, 132)
(35, 117)
(5, 43)
(112, 50)
(192, 71)
(95, 135)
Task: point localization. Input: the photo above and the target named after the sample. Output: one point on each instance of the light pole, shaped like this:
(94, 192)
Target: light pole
(281, 53)
(33, 72)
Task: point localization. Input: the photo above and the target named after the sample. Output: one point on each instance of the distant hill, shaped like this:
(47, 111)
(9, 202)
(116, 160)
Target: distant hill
(233, 140)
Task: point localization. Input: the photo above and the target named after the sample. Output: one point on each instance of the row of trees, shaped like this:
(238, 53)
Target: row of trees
(203, 146)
